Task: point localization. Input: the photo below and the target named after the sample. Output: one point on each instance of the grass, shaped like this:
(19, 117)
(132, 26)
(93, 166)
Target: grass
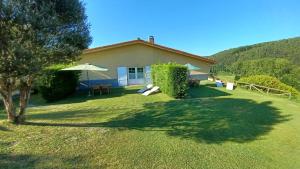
(226, 77)
(212, 128)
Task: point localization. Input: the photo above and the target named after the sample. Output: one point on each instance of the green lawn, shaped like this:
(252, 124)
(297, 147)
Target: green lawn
(212, 128)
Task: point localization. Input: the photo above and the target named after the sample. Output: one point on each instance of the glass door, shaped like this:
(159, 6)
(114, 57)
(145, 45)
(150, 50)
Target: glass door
(135, 75)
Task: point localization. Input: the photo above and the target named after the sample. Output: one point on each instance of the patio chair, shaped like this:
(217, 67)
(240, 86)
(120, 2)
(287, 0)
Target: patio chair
(95, 89)
(148, 87)
(153, 90)
(105, 88)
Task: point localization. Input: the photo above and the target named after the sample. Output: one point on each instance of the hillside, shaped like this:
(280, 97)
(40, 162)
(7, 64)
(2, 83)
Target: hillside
(280, 59)
(288, 49)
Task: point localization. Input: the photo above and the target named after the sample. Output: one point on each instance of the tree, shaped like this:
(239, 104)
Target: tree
(277, 58)
(293, 78)
(35, 34)
(265, 66)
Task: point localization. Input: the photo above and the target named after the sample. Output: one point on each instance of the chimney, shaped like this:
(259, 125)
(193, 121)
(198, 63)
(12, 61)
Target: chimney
(151, 39)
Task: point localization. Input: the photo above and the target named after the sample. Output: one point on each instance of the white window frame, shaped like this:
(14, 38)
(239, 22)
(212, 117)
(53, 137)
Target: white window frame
(136, 73)
(129, 73)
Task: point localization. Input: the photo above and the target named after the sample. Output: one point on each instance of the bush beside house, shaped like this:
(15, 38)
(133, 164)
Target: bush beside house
(172, 79)
(54, 84)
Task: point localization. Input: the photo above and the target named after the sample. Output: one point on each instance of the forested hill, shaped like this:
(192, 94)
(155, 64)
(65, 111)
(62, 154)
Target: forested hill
(280, 59)
(288, 49)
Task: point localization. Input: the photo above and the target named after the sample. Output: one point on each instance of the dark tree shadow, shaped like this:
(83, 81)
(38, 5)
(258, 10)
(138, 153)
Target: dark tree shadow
(209, 120)
(63, 115)
(2, 128)
(76, 98)
(205, 120)
(207, 90)
(75, 114)
(16, 161)
(21, 161)
(82, 96)
(2, 115)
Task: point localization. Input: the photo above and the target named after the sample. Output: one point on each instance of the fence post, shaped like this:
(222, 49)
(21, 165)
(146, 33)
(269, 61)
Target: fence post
(290, 95)
(268, 90)
(250, 86)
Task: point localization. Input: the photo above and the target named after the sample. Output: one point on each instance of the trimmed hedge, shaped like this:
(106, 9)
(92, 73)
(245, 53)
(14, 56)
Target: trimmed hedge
(54, 84)
(172, 79)
(269, 81)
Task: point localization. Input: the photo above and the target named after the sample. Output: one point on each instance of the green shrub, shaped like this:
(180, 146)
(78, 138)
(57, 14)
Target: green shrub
(194, 83)
(237, 77)
(172, 79)
(292, 79)
(55, 85)
(269, 81)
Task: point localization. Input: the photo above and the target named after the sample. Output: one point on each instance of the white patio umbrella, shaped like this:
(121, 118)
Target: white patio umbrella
(85, 67)
(192, 70)
(192, 67)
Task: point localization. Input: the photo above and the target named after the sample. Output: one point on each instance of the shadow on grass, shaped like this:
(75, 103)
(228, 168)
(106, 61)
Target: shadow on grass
(207, 90)
(79, 97)
(36, 161)
(20, 161)
(82, 96)
(2, 114)
(2, 128)
(63, 115)
(57, 115)
(209, 120)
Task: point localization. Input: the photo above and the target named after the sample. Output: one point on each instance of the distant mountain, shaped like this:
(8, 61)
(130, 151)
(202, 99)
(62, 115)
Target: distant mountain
(288, 49)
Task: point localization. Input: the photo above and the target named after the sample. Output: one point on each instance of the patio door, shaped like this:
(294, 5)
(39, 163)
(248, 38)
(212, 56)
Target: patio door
(148, 75)
(136, 75)
(122, 76)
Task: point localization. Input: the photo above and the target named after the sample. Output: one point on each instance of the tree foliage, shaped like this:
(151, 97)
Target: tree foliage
(35, 34)
(280, 59)
(267, 66)
(288, 49)
(55, 84)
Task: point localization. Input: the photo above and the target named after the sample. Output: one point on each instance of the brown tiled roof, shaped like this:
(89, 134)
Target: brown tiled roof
(138, 41)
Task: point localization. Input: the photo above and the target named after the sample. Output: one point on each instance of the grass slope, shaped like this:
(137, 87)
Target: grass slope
(213, 128)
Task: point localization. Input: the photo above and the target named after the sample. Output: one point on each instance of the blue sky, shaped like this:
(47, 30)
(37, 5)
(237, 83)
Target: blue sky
(202, 27)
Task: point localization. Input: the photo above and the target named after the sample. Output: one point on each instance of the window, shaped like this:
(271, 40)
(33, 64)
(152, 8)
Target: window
(140, 73)
(131, 70)
(131, 73)
(135, 73)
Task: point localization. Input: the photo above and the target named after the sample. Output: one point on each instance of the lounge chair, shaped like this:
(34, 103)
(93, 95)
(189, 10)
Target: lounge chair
(148, 87)
(219, 83)
(229, 86)
(153, 90)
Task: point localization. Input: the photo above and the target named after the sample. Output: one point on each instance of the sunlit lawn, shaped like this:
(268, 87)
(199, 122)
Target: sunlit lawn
(212, 128)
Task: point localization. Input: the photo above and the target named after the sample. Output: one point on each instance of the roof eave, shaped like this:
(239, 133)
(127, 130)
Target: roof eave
(97, 49)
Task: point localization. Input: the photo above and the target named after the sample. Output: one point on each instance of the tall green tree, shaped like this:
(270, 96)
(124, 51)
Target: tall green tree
(36, 34)
(266, 66)
(293, 78)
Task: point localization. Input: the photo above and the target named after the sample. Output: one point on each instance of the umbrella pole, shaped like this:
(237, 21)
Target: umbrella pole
(87, 75)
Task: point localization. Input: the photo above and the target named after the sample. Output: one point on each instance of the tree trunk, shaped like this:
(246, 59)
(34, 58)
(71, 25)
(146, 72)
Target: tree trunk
(6, 90)
(25, 88)
(9, 107)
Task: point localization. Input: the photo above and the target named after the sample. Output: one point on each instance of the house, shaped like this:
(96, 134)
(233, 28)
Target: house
(129, 63)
